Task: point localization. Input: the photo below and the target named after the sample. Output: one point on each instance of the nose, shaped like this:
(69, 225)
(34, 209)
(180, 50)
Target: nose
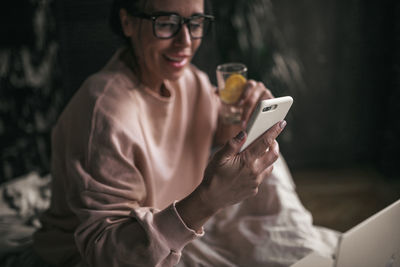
(183, 37)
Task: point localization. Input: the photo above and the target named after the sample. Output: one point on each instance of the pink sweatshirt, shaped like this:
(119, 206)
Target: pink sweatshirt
(121, 156)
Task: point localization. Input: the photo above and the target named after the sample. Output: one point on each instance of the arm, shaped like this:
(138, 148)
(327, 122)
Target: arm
(231, 177)
(108, 194)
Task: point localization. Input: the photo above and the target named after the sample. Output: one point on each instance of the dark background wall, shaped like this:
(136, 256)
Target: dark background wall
(338, 59)
(349, 51)
(31, 90)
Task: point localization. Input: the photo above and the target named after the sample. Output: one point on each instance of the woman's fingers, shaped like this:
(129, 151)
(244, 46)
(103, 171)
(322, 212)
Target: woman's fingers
(254, 93)
(248, 90)
(267, 159)
(252, 86)
(262, 167)
(258, 148)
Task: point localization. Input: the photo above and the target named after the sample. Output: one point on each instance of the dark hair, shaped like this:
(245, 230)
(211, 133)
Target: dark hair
(114, 19)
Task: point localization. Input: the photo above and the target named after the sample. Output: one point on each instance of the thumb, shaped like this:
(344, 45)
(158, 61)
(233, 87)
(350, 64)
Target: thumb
(232, 147)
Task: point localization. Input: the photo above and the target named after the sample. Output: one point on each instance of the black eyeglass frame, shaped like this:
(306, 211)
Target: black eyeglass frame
(182, 20)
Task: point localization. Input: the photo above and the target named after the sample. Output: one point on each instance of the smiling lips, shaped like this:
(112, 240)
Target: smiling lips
(177, 60)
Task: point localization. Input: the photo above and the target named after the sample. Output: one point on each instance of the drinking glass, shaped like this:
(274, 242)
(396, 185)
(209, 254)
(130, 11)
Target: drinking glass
(231, 79)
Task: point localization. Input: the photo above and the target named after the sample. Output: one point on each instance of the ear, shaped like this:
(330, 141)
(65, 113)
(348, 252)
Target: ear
(126, 23)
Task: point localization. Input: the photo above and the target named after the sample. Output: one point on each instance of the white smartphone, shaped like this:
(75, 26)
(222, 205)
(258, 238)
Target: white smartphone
(265, 115)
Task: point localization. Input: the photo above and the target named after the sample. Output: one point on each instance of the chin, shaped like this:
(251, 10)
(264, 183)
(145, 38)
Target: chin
(175, 75)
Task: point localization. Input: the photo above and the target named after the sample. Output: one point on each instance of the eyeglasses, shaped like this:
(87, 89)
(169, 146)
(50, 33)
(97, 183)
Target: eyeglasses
(167, 25)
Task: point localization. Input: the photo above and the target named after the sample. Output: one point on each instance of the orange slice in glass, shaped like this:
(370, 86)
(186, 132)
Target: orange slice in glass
(234, 87)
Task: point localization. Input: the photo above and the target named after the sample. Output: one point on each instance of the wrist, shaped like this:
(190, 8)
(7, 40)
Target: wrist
(207, 205)
(195, 209)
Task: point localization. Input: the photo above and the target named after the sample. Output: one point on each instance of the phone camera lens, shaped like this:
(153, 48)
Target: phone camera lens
(267, 109)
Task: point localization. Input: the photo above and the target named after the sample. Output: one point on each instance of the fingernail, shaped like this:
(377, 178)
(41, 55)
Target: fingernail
(282, 124)
(240, 136)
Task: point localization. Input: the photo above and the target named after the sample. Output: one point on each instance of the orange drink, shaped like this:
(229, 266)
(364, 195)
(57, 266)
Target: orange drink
(231, 78)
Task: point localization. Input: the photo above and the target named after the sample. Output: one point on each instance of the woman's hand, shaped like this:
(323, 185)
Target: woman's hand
(231, 177)
(254, 92)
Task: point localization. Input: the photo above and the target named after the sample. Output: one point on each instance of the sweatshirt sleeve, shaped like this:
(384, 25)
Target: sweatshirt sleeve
(108, 193)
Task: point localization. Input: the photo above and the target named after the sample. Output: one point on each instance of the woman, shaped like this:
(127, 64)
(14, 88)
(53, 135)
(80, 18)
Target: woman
(131, 182)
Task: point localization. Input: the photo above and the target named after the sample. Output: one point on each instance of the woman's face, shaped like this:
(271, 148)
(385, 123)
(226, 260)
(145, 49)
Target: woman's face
(164, 59)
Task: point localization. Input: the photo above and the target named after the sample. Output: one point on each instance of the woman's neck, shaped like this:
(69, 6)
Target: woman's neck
(153, 84)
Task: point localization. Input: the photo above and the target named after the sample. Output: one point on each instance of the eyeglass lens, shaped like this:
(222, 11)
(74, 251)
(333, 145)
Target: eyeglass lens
(168, 26)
